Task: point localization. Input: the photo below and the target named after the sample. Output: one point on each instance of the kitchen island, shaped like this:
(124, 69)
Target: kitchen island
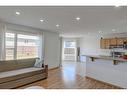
(101, 68)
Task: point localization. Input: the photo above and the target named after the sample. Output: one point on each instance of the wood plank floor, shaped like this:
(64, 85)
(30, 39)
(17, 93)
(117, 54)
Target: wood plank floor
(66, 78)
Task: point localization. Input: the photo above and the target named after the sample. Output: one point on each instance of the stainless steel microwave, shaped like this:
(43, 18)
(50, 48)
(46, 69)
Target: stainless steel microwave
(125, 45)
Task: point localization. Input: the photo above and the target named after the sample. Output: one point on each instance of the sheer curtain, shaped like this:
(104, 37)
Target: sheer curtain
(36, 33)
(4, 28)
(41, 46)
(2, 41)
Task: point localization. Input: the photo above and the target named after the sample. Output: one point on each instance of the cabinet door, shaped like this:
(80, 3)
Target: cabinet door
(113, 41)
(102, 43)
(107, 43)
(120, 41)
(125, 39)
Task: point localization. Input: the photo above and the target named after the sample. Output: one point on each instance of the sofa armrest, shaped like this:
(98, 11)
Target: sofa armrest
(46, 70)
(43, 65)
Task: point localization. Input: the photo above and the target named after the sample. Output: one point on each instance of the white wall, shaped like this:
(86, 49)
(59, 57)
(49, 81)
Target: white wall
(2, 40)
(52, 49)
(89, 44)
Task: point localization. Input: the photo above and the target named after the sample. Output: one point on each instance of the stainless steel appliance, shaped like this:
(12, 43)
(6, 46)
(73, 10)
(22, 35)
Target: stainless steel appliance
(125, 45)
(117, 54)
(116, 46)
(78, 54)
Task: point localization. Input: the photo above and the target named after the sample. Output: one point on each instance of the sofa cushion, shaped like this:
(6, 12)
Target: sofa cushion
(18, 74)
(38, 63)
(8, 65)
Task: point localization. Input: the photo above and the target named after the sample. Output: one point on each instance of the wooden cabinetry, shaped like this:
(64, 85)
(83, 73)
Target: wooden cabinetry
(120, 41)
(102, 43)
(113, 41)
(125, 39)
(107, 43)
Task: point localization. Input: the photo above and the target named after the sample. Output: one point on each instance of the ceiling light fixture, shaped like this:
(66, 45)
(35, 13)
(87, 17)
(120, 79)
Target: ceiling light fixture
(100, 31)
(17, 13)
(41, 20)
(57, 25)
(113, 29)
(77, 18)
(117, 5)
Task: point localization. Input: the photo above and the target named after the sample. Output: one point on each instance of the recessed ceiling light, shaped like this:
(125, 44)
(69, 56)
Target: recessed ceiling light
(41, 20)
(100, 31)
(117, 5)
(17, 13)
(78, 18)
(57, 25)
(113, 29)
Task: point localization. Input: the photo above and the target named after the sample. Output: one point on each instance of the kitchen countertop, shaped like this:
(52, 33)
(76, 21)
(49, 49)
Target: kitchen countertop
(107, 57)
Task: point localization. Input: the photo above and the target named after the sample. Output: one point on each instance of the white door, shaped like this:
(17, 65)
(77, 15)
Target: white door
(70, 51)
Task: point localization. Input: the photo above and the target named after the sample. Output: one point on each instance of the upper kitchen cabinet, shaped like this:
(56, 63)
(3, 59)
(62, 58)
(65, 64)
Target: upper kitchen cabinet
(113, 41)
(102, 43)
(120, 41)
(107, 43)
(125, 39)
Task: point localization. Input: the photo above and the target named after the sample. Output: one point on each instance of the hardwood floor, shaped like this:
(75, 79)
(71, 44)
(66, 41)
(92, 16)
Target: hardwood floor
(66, 78)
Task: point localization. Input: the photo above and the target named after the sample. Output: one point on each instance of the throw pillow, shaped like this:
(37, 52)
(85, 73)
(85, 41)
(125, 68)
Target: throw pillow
(38, 63)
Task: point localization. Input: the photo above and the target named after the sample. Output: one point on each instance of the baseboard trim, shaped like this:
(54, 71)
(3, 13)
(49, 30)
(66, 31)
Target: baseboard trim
(53, 68)
(104, 82)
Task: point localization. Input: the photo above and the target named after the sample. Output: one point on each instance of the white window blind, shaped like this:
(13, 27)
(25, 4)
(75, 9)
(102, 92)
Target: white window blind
(27, 46)
(9, 43)
(21, 45)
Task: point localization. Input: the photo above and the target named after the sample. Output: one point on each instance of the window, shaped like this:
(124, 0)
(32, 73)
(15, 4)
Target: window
(27, 46)
(10, 37)
(20, 46)
(69, 51)
(69, 44)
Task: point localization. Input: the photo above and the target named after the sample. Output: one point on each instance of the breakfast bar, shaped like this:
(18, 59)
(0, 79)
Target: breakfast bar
(115, 60)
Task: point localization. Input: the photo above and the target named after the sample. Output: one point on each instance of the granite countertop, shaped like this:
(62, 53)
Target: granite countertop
(107, 57)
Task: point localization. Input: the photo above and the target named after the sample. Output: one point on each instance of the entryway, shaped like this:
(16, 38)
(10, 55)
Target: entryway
(69, 49)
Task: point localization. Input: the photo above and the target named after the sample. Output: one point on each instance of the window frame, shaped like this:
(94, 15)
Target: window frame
(16, 43)
(5, 46)
(65, 42)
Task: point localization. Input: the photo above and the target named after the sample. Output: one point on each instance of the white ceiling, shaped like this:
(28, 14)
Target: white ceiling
(93, 19)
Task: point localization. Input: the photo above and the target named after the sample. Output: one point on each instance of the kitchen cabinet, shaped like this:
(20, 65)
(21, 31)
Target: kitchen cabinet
(107, 43)
(113, 41)
(120, 41)
(125, 39)
(102, 43)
